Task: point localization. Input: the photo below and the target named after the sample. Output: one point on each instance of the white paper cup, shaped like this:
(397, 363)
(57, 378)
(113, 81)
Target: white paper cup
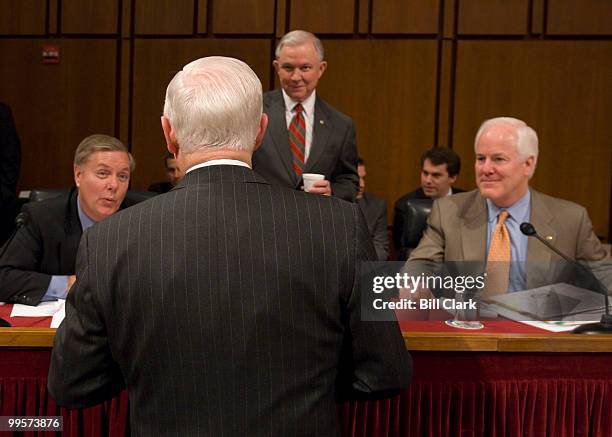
(310, 178)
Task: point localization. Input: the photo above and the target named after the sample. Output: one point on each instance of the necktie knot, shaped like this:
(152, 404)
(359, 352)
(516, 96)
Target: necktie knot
(502, 216)
(298, 109)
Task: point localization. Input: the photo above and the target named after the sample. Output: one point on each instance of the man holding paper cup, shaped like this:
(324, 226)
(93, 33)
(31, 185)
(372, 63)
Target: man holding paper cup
(305, 135)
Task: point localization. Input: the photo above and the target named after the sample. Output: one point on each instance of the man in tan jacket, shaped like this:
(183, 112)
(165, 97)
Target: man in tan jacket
(461, 227)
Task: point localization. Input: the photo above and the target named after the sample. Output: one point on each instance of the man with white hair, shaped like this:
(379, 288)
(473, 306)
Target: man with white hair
(227, 306)
(305, 134)
(484, 224)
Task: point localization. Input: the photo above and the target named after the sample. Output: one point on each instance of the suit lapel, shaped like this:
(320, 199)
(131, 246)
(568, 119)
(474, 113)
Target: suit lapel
(474, 230)
(538, 255)
(321, 129)
(73, 230)
(277, 128)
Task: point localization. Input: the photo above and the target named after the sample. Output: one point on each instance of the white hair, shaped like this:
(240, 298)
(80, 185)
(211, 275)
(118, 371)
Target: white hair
(527, 138)
(297, 38)
(214, 103)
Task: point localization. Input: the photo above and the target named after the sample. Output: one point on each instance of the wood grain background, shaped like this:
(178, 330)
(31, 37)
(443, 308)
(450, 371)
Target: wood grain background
(411, 73)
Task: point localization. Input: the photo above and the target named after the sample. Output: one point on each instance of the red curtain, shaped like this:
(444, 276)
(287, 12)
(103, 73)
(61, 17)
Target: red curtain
(453, 394)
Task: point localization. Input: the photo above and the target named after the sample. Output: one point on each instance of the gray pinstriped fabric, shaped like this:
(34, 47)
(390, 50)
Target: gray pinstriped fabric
(224, 305)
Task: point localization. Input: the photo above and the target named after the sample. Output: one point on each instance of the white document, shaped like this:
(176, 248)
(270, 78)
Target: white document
(558, 326)
(59, 315)
(44, 309)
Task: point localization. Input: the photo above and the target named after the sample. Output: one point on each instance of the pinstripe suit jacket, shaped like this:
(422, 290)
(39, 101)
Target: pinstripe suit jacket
(227, 306)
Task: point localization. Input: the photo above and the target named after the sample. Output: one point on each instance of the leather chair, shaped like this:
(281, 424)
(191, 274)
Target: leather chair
(40, 194)
(415, 216)
(131, 197)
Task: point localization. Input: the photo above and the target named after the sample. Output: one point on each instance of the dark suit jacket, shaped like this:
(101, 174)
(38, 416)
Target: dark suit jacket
(10, 162)
(333, 151)
(375, 212)
(46, 245)
(224, 306)
(160, 187)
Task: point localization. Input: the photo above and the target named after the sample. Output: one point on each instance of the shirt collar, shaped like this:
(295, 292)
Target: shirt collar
(86, 222)
(218, 162)
(519, 210)
(307, 104)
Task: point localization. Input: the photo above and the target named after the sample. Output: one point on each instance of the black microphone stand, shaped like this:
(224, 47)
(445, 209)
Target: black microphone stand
(604, 326)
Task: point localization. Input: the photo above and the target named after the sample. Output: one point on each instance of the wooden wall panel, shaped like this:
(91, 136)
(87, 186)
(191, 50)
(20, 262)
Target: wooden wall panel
(365, 8)
(56, 106)
(202, 16)
(25, 17)
(391, 102)
(322, 16)
(537, 16)
(493, 17)
(163, 17)
(585, 17)
(405, 16)
(155, 63)
(560, 88)
(239, 16)
(89, 16)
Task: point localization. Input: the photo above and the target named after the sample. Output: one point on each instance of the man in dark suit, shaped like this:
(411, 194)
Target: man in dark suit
(39, 263)
(375, 211)
(305, 134)
(440, 168)
(10, 163)
(227, 306)
(173, 173)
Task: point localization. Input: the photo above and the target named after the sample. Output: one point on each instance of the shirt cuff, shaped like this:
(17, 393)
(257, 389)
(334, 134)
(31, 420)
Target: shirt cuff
(57, 288)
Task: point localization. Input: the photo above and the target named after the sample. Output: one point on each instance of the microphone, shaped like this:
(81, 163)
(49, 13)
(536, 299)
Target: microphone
(605, 325)
(21, 219)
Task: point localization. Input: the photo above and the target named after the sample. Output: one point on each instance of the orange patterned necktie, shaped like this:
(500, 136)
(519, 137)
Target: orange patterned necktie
(498, 260)
(297, 139)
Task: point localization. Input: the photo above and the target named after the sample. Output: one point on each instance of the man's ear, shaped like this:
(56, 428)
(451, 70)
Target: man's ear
(276, 65)
(452, 179)
(77, 175)
(322, 68)
(263, 124)
(171, 142)
(529, 164)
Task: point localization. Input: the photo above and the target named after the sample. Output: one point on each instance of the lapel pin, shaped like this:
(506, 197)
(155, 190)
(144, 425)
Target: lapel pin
(321, 122)
(549, 237)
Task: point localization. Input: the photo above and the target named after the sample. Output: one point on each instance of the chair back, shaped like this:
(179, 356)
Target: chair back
(131, 197)
(415, 221)
(46, 193)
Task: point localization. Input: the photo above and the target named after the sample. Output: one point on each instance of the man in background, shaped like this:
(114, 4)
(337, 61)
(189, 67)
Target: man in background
(39, 263)
(440, 168)
(227, 306)
(375, 211)
(10, 163)
(305, 134)
(173, 173)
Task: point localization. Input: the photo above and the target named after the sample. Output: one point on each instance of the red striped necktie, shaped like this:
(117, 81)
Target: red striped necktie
(297, 139)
